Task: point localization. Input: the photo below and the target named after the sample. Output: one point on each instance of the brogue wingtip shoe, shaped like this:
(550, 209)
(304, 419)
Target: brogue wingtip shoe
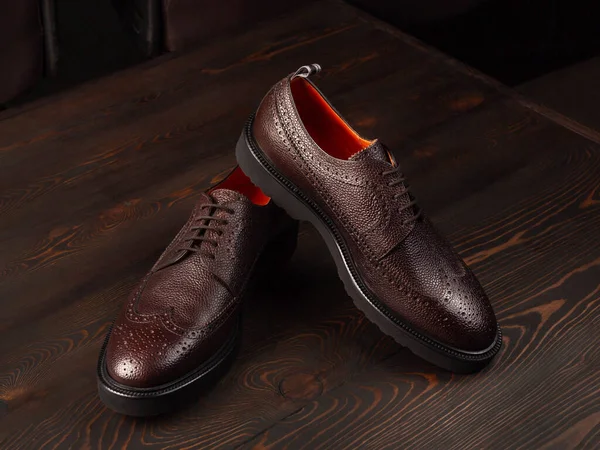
(399, 271)
(179, 329)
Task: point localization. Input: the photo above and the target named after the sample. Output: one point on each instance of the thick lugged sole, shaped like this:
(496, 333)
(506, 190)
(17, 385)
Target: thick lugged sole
(168, 397)
(262, 172)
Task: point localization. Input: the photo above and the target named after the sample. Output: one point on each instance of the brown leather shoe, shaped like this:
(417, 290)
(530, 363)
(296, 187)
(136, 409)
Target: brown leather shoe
(400, 272)
(179, 328)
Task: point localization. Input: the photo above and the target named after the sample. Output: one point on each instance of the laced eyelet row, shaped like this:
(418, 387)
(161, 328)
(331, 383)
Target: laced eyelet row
(202, 225)
(412, 204)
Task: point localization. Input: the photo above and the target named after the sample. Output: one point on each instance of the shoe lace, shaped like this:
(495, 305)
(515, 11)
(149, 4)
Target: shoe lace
(205, 223)
(399, 179)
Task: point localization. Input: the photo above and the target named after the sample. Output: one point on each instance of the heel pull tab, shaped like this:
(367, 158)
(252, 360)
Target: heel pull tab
(307, 71)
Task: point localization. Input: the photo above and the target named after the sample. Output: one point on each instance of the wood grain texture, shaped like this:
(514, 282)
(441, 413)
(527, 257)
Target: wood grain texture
(95, 182)
(573, 91)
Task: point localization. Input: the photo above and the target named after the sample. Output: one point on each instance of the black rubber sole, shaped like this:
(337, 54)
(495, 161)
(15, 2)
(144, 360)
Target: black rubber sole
(170, 396)
(286, 195)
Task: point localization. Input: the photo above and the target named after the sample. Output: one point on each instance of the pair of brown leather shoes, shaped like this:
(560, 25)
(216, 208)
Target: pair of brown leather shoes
(179, 329)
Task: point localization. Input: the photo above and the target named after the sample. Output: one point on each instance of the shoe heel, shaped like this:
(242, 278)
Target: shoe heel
(254, 163)
(249, 162)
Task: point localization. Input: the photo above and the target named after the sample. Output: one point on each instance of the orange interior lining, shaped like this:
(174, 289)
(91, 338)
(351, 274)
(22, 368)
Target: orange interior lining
(323, 124)
(238, 181)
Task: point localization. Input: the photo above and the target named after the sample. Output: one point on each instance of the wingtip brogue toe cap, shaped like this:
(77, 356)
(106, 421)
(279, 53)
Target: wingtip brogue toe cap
(465, 322)
(149, 355)
(140, 356)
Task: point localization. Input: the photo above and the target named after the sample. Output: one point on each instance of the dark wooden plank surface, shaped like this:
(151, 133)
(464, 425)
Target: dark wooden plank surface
(573, 91)
(95, 182)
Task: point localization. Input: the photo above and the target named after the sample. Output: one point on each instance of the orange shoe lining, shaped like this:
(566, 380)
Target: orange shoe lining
(238, 181)
(323, 124)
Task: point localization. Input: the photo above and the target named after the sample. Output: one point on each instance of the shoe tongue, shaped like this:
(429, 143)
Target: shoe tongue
(222, 196)
(375, 151)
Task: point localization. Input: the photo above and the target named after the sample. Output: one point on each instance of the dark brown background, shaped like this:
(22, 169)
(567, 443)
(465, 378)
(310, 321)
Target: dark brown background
(95, 182)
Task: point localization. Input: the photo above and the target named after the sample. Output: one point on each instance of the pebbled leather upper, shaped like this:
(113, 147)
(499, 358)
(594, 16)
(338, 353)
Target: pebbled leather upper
(411, 270)
(187, 306)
